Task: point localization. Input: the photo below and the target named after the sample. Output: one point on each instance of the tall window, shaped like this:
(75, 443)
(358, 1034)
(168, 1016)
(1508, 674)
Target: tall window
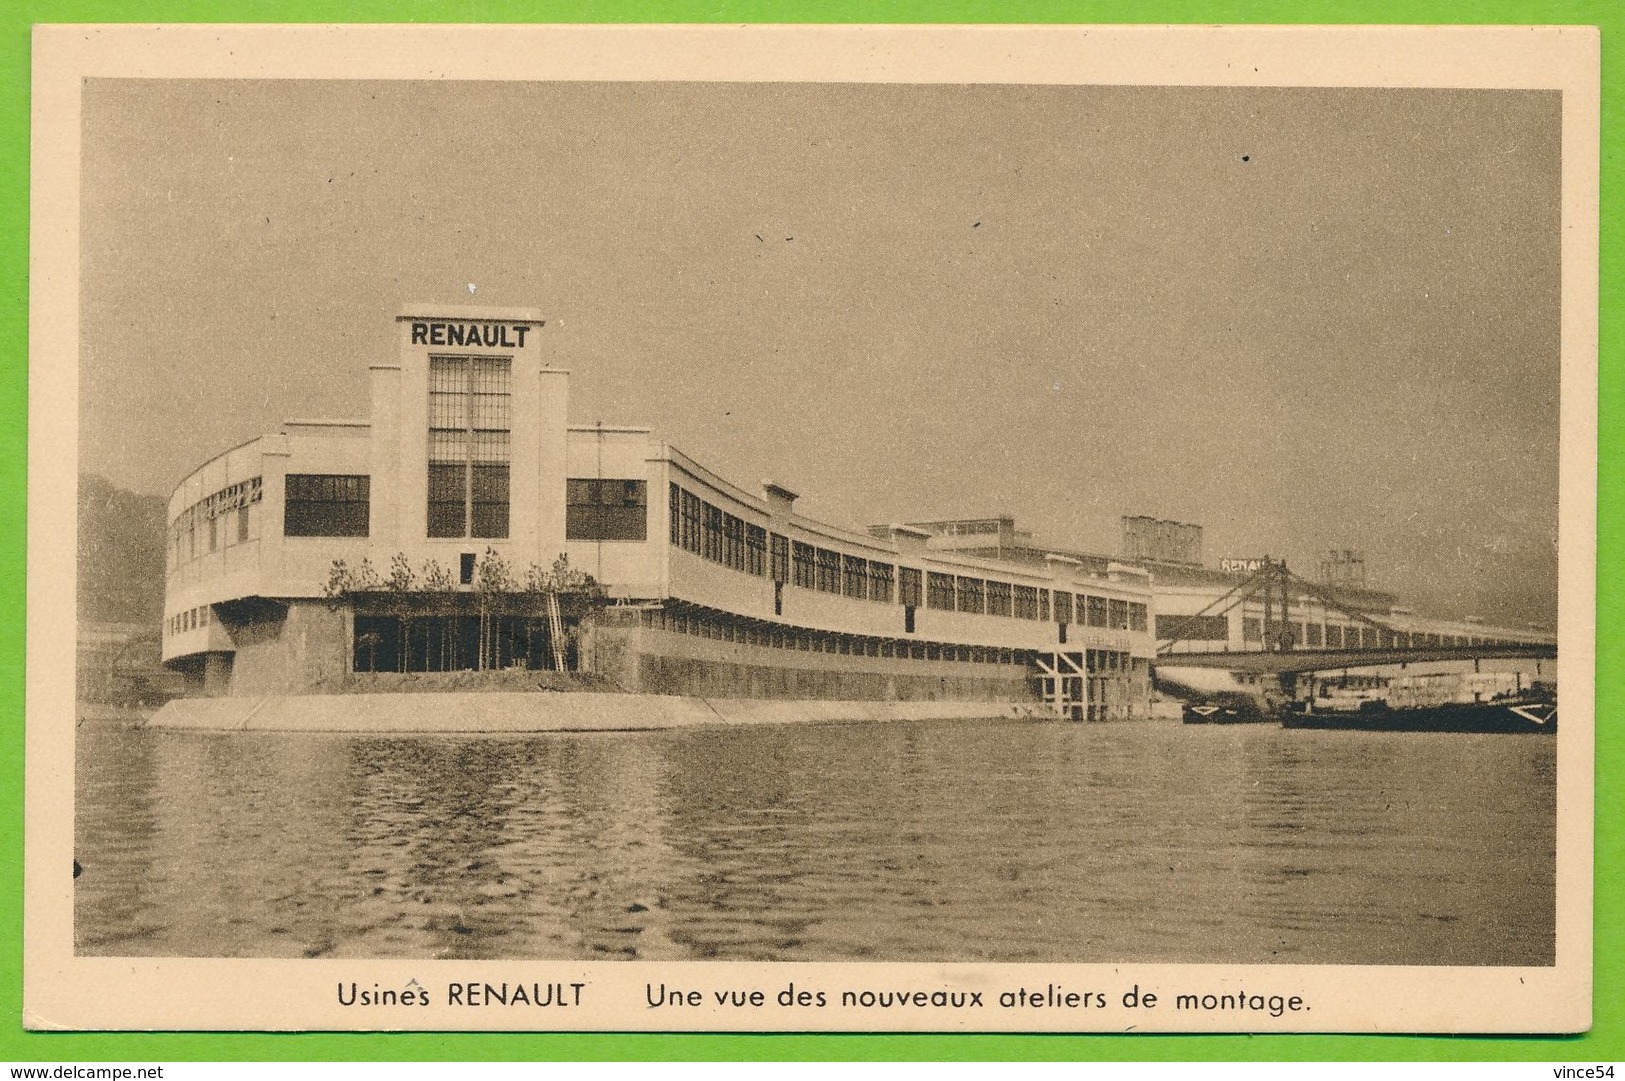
(691, 522)
(855, 577)
(322, 505)
(733, 542)
(880, 581)
(469, 418)
(755, 549)
(597, 509)
(909, 587)
(829, 571)
(805, 570)
(780, 547)
(711, 532)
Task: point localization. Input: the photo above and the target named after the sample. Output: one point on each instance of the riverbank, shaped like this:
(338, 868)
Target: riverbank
(514, 712)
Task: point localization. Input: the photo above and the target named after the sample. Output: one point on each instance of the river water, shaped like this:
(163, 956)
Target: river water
(939, 841)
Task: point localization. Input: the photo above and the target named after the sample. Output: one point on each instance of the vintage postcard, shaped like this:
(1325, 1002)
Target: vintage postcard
(1054, 529)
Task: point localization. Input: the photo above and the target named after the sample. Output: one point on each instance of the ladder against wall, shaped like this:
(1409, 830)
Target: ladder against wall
(555, 626)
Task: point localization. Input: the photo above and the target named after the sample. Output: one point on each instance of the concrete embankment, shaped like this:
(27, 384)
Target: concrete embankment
(544, 712)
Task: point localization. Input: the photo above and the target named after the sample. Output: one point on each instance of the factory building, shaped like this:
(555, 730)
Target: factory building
(1201, 609)
(464, 524)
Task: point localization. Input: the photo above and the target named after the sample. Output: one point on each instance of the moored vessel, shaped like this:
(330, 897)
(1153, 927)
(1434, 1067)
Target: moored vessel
(1429, 702)
(1521, 714)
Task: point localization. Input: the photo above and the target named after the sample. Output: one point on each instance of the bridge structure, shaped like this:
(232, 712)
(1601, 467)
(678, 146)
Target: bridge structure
(1273, 586)
(1292, 661)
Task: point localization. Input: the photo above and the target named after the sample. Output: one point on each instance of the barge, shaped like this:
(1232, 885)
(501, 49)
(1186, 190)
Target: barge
(1429, 702)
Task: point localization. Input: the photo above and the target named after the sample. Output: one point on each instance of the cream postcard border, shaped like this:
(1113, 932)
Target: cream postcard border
(62, 991)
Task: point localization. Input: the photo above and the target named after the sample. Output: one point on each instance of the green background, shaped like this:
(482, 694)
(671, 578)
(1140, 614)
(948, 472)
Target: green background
(1605, 1042)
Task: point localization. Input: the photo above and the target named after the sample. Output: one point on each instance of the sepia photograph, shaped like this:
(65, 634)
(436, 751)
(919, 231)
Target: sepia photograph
(928, 524)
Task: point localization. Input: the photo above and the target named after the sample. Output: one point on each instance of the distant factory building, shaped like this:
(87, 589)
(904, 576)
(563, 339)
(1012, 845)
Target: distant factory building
(1153, 540)
(1199, 609)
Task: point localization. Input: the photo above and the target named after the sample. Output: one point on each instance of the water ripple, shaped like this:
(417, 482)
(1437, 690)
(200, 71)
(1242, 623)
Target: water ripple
(954, 841)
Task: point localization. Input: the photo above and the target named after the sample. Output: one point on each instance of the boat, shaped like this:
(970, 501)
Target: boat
(1430, 702)
(1218, 696)
(1510, 715)
(1224, 709)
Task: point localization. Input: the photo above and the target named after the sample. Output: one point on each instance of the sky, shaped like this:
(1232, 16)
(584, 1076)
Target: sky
(1303, 318)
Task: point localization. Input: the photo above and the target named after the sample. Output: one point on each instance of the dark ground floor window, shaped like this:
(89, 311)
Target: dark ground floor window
(453, 644)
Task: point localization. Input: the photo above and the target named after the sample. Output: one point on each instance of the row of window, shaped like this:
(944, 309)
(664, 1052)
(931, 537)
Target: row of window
(1338, 636)
(970, 529)
(828, 571)
(217, 520)
(728, 629)
(333, 505)
(711, 533)
(956, 593)
(189, 620)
